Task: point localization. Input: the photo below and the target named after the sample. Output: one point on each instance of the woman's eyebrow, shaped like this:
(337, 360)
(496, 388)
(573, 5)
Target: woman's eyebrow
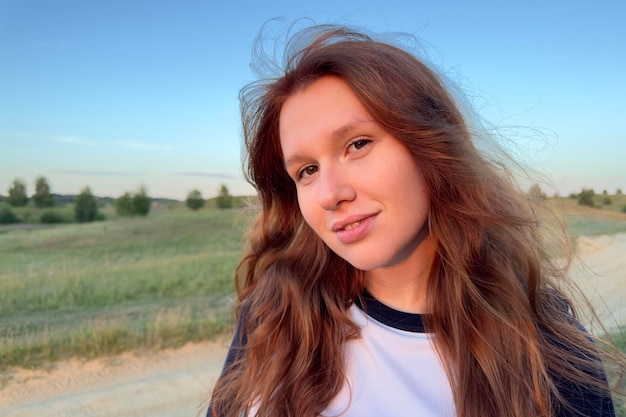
(338, 133)
(349, 127)
(296, 159)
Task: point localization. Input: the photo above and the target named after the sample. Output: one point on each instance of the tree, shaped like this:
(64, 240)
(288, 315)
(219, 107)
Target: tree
(42, 196)
(17, 194)
(141, 202)
(137, 204)
(194, 200)
(224, 199)
(124, 205)
(585, 198)
(536, 193)
(85, 206)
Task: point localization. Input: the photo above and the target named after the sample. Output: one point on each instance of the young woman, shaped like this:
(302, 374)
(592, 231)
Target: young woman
(394, 269)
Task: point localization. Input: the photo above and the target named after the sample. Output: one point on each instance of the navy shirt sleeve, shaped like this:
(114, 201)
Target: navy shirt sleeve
(584, 401)
(234, 352)
(581, 400)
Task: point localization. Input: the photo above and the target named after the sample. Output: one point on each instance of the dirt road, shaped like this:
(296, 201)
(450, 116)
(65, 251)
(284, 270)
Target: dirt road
(170, 383)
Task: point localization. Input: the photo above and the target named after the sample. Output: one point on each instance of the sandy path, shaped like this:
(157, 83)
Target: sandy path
(602, 276)
(175, 383)
(169, 383)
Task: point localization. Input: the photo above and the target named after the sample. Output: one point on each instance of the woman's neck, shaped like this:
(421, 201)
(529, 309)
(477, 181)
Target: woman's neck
(404, 286)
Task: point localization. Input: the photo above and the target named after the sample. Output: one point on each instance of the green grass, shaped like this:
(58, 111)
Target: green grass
(577, 226)
(589, 221)
(100, 288)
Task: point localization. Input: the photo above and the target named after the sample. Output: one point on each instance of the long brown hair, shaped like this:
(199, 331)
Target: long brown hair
(502, 329)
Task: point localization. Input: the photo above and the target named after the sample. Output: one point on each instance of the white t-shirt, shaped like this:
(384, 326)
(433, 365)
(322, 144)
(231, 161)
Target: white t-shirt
(392, 369)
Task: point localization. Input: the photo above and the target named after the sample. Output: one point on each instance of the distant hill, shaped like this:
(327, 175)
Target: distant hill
(62, 199)
(239, 201)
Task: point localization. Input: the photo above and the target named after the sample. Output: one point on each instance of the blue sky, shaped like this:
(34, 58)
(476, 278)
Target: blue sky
(115, 94)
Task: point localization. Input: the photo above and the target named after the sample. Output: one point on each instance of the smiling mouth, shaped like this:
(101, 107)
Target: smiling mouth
(352, 225)
(352, 222)
(356, 230)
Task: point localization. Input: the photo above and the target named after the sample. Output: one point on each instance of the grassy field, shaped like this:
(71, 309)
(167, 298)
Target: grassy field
(591, 221)
(100, 288)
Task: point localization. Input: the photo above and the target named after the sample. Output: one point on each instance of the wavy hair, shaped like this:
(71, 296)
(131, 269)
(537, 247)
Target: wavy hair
(502, 330)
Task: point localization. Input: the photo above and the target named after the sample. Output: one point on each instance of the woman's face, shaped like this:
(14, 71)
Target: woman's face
(358, 186)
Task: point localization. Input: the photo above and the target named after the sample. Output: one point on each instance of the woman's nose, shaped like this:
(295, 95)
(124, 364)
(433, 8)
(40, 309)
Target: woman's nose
(335, 187)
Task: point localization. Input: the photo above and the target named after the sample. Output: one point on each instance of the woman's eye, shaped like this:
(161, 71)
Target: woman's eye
(306, 171)
(359, 143)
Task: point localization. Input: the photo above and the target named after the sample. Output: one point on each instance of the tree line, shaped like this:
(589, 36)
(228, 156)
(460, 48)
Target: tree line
(586, 197)
(86, 205)
(223, 200)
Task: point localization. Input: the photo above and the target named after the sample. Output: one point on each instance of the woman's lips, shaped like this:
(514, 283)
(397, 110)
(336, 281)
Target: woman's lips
(354, 228)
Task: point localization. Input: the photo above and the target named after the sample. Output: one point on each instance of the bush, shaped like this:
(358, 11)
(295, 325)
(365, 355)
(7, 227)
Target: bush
(142, 202)
(51, 216)
(606, 200)
(7, 216)
(194, 200)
